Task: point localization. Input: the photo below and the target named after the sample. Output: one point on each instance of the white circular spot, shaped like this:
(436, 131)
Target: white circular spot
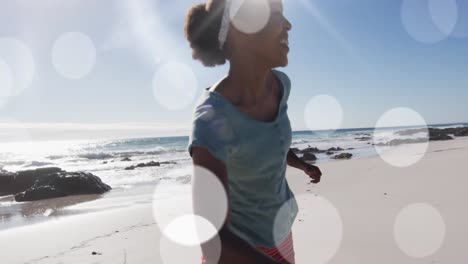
(73, 55)
(401, 137)
(17, 67)
(444, 14)
(209, 205)
(6, 81)
(429, 21)
(172, 253)
(249, 16)
(320, 235)
(461, 28)
(419, 230)
(323, 112)
(174, 85)
(190, 230)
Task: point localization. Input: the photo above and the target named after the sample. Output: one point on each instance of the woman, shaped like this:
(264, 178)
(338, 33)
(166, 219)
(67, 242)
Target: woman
(242, 134)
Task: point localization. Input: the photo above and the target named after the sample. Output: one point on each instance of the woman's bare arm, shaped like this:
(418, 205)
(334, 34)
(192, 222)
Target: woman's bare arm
(234, 250)
(294, 160)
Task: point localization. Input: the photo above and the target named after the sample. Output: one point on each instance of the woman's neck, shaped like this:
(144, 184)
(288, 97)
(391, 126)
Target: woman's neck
(248, 82)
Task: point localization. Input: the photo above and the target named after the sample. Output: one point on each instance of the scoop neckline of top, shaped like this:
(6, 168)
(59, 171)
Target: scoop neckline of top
(243, 115)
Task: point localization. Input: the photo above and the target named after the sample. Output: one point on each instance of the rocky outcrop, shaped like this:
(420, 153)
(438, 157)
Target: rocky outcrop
(343, 156)
(440, 137)
(296, 150)
(363, 138)
(47, 183)
(312, 150)
(149, 164)
(437, 133)
(15, 182)
(335, 149)
(309, 157)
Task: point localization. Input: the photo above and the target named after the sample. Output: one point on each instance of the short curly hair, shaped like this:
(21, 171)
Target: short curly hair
(202, 25)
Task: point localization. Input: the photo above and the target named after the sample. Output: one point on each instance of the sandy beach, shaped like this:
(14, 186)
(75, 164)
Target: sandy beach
(363, 211)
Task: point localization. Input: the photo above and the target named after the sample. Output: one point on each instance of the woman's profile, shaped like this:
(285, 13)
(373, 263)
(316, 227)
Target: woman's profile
(241, 131)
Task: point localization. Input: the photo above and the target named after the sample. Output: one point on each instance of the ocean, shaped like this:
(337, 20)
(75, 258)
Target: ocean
(105, 158)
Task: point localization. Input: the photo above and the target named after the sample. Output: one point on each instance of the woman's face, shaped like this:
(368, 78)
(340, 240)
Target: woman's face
(271, 43)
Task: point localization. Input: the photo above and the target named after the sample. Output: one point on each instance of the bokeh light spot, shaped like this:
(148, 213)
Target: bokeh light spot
(429, 21)
(393, 140)
(323, 112)
(419, 230)
(322, 237)
(174, 85)
(73, 55)
(17, 68)
(6, 81)
(174, 253)
(249, 16)
(171, 202)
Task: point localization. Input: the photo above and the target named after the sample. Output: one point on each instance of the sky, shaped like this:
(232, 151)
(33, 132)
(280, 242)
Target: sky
(123, 67)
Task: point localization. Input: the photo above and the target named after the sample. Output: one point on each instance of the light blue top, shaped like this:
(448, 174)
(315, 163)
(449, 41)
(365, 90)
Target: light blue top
(255, 155)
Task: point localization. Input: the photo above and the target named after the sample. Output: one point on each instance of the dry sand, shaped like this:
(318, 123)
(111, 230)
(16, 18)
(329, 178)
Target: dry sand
(351, 217)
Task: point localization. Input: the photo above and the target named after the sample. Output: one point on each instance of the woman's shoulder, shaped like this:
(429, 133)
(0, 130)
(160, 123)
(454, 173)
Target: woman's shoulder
(285, 81)
(208, 107)
(283, 77)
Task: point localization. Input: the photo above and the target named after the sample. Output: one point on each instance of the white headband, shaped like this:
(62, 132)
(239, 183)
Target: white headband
(223, 31)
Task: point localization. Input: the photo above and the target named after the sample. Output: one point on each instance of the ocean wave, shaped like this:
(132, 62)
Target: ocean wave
(38, 164)
(96, 156)
(55, 157)
(14, 163)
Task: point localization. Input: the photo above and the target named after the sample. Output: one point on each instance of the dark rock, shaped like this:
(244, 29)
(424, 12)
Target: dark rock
(343, 156)
(104, 162)
(437, 133)
(39, 193)
(126, 159)
(309, 156)
(311, 150)
(167, 162)
(296, 150)
(462, 132)
(53, 182)
(98, 156)
(141, 165)
(330, 153)
(349, 148)
(440, 137)
(335, 149)
(363, 134)
(149, 164)
(15, 182)
(363, 138)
